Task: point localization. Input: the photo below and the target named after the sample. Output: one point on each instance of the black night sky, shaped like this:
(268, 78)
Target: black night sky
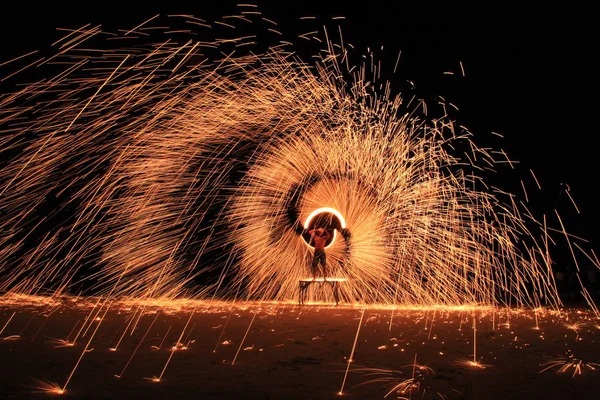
(529, 72)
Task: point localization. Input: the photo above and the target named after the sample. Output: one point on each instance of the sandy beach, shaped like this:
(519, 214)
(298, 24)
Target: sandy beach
(203, 350)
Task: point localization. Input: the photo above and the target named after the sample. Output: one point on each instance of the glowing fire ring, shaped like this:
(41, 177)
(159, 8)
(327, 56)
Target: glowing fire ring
(330, 210)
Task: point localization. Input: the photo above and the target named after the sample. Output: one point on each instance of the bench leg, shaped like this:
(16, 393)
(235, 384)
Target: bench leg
(303, 286)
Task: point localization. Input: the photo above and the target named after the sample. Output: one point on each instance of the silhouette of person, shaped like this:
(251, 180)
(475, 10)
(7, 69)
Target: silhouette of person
(319, 236)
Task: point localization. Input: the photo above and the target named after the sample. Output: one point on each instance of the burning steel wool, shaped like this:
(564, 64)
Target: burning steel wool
(157, 163)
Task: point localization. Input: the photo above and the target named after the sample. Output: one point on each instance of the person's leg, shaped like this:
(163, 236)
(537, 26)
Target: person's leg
(314, 266)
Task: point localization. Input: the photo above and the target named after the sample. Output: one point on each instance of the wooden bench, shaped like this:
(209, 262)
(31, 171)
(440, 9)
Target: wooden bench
(305, 283)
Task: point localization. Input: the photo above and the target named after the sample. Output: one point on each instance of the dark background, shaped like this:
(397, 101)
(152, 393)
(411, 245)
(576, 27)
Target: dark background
(530, 73)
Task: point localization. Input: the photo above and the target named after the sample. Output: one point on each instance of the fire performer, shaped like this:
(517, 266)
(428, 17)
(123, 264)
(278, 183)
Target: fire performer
(319, 236)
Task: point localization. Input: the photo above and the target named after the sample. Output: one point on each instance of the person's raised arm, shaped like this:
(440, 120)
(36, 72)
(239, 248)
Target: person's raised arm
(311, 239)
(327, 235)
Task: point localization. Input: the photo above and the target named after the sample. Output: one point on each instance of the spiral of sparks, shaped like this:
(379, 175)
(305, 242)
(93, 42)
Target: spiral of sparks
(144, 168)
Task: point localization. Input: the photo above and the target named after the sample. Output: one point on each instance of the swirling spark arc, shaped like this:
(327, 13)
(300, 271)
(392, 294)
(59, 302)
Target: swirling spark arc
(143, 170)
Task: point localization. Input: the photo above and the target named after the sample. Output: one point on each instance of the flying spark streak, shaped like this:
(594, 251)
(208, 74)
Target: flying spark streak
(223, 330)
(7, 322)
(175, 160)
(174, 348)
(64, 388)
(398, 383)
(412, 379)
(474, 339)
(138, 345)
(47, 387)
(350, 358)
(244, 338)
(565, 363)
(47, 317)
(131, 318)
(164, 337)
(88, 320)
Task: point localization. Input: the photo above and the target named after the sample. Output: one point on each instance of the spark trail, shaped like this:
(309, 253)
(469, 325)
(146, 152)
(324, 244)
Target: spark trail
(197, 158)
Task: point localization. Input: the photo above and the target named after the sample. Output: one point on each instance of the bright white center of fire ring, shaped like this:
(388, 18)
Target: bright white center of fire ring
(325, 210)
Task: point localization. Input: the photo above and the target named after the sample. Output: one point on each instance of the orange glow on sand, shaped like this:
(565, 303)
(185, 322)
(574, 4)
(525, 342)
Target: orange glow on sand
(252, 329)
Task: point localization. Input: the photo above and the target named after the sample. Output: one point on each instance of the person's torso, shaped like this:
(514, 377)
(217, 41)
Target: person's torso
(319, 242)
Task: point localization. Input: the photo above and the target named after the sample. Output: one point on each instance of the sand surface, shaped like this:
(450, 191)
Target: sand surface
(285, 351)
